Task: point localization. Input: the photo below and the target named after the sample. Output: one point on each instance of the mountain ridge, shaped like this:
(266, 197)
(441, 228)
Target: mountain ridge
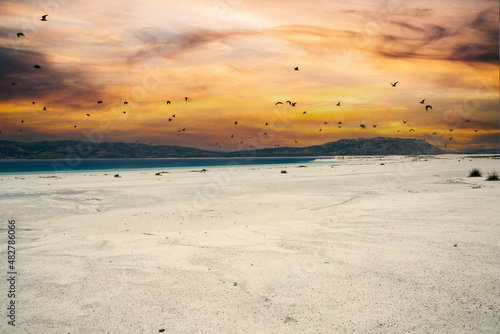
(63, 149)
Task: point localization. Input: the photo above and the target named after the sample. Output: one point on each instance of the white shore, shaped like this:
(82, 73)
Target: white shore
(412, 245)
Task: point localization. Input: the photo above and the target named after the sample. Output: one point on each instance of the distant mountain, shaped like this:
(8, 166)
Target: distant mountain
(73, 149)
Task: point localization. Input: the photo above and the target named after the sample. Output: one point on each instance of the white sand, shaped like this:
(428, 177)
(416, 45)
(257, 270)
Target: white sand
(360, 247)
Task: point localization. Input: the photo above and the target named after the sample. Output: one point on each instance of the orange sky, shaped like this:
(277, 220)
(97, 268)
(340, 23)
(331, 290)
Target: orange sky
(234, 59)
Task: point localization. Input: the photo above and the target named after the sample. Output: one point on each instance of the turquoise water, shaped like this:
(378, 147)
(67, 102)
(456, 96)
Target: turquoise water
(79, 165)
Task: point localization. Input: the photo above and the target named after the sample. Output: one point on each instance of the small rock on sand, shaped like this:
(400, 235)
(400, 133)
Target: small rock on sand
(289, 319)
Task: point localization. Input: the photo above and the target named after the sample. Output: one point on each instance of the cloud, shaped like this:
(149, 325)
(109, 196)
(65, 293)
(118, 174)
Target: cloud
(46, 83)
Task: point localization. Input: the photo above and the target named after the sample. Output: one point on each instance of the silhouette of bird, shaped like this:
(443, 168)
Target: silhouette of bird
(427, 107)
(296, 68)
(434, 133)
(74, 126)
(374, 125)
(423, 101)
(394, 84)
(445, 145)
(325, 122)
(22, 121)
(267, 124)
(125, 102)
(100, 101)
(20, 130)
(232, 136)
(265, 133)
(467, 121)
(338, 104)
(33, 103)
(278, 103)
(13, 84)
(124, 112)
(340, 123)
(291, 103)
(37, 66)
(475, 130)
(362, 126)
(173, 116)
(319, 129)
(304, 112)
(451, 138)
(19, 34)
(183, 129)
(404, 121)
(450, 130)
(88, 115)
(44, 17)
(236, 123)
(295, 142)
(44, 108)
(411, 130)
(169, 119)
(168, 102)
(186, 99)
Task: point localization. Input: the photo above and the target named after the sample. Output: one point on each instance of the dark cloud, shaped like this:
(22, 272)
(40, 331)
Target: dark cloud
(47, 83)
(173, 44)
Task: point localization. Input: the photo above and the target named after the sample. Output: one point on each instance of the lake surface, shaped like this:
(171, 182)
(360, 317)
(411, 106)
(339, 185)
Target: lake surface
(68, 166)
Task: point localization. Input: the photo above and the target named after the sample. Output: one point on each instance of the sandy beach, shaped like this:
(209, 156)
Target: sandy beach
(353, 245)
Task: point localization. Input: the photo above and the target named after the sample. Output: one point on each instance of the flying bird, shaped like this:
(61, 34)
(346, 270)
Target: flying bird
(183, 129)
(267, 124)
(74, 126)
(88, 115)
(411, 130)
(475, 130)
(296, 68)
(427, 107)
(44, 108)
(168, 102)
(340, 123)
(434, 133)
(423, 101)
(304, 112)
(173, 115)
(100, 101)
(467, 121)
(125, 102)
(232, 136)
(22, 121)
(13, 84)
(319, 129)
(295, 142)
(236, 123)
(37, 66)
(33, 103)
(362, 126)
(278, 103)
(451, 138)
(19, 34)
(44, 17)
(186, 99)
(450, 130)
(394, 84)
(124, 112)
(374, 125)
(325, 122)
(169, 119)
(404, 121)
(338, 104)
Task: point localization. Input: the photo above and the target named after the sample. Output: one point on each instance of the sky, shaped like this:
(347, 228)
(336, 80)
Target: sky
(234, 59)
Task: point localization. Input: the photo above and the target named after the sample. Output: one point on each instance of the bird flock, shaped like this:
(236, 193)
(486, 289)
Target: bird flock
(289, 102)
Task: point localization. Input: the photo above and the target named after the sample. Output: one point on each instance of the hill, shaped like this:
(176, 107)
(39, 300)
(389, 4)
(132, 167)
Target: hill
(87, 150)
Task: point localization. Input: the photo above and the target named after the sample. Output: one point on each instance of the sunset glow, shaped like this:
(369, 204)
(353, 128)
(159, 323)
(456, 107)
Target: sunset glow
(234, 59)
